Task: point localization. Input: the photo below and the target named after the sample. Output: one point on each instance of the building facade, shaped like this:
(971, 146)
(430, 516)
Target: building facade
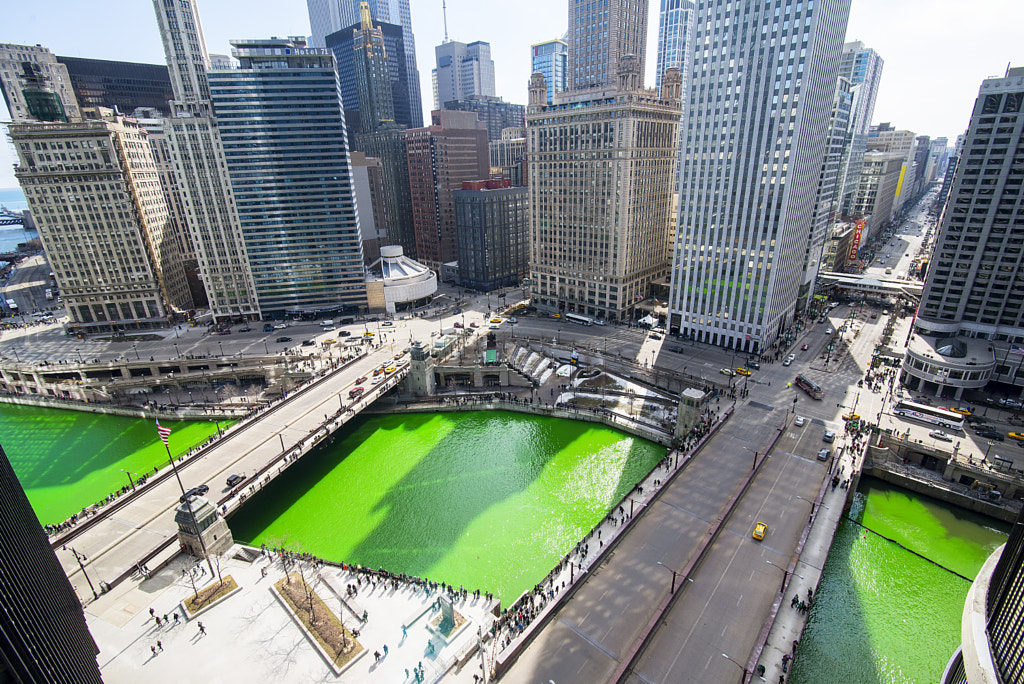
(441, 156)
(601, 32)
(492, 226)
(974, 290)
(675, 38)
(862, 67)
(551, 58)
(35, 85)
(495, 113)
(95, 194)
(44, 638)
(124, 86)
(389, 146)
(463, 70)
(202, 175)
(749, 173)
(330, 16)
(283, 130)
(509, 150)
(879, 179)
(368, 184)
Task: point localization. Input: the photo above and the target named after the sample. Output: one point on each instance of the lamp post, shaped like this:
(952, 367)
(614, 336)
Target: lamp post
(674, 575)
(135, 349)
(130, 481)
(81, 557)
(814, 504)
(176, 350)
(745, 672)
(79, 351)
(187, 501)
(15, 354)
(221, 345)
(785, 573)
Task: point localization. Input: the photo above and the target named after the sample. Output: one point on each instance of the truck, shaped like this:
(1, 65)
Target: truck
(49, 294)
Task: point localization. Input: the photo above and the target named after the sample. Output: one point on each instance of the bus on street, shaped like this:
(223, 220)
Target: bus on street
(576, 318)
(929, 414)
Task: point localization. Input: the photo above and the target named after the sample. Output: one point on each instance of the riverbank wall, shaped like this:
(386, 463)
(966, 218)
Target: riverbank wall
(939, 490)
(178, 413)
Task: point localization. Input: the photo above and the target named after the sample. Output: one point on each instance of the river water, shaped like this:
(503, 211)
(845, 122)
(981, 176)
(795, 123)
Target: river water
(882, 614)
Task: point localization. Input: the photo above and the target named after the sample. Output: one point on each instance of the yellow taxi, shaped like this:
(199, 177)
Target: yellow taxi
(556, 315)
(389, 369)
(760, 530)
(368, 334)
(495, 320)
(742, 371)
(329, 340)
(961, 411)
(1019, 436)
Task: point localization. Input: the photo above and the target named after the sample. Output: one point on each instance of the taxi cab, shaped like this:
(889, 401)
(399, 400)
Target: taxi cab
(389, 369)
(742, 371)
(760, 530)
(1019, 436)
(495, 320)
(961, 411)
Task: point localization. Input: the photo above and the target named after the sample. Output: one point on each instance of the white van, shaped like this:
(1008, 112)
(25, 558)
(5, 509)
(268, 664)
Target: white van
(327, 324)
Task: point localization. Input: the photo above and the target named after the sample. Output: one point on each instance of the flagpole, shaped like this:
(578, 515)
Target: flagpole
(188, 503)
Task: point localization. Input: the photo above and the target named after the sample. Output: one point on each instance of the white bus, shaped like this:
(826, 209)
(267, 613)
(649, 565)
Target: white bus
(929, 414)
(576, 318)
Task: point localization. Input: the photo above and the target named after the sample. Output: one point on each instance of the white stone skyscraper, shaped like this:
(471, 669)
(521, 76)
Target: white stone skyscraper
(464, 70)
(761, 92)
(198, 153)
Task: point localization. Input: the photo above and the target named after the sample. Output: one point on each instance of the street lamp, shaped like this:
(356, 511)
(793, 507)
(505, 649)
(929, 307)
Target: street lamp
(674, 574)
(129, 478)
(79, 355)
(177, 351)
(221, 345)
(81, 557)
(745, 671)
(136, 350)
(785, 573)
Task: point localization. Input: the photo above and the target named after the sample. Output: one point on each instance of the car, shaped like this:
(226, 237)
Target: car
(874, 315)
(495, 320)
(399, 355)
(268, 328)
(389, 369)
(513, 319)
(234, 479)
(804, 348)
(459, 325)
(799, 421)
(283, 339)
(989, 434)
(829, 436)
(377, 371)
(787, 361)
(308, 343)
(386, 324)
(225, 331)
(753, 364)
(361, 379)
(329, 341)
(280, 326)
(556, 315)
(760, 530)
(940, 435)
(1017, 436)
(742, 371)
(655, 336)
(961, 410)
(344, 333)
(727, 371)
(473, 325)
(378, 379)
(1009, 403)
(829, 331)
(195, 491)
(823, 453)
(244, 328)
(885, 312)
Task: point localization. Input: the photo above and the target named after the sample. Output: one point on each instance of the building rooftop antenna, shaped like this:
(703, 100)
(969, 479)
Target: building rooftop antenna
(444, 13)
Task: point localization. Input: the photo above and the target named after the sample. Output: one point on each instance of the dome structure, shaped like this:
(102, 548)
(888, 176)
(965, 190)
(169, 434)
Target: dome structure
(395, 281)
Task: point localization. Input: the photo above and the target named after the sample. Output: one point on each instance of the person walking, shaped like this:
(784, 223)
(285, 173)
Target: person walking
(160, 644)
(202, 629)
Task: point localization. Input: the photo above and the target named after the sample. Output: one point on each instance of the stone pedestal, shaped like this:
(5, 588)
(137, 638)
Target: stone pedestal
(691, 403)
(216, 534)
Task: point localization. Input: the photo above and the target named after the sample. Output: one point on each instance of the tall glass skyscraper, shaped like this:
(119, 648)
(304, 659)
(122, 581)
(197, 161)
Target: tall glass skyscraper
(675, 39)
(761, 94)
(551, 58)
(329, 16)
(283, 131)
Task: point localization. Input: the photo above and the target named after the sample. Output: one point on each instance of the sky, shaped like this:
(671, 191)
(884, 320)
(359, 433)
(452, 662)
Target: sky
(936, 52)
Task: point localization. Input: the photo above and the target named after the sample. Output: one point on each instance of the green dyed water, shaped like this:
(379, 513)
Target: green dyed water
(488, 500)
(882, 614)
(67, 460)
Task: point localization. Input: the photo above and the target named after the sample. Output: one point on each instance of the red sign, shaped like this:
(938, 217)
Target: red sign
(858, 231)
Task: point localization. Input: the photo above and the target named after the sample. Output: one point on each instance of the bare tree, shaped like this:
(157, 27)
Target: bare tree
(310, 578)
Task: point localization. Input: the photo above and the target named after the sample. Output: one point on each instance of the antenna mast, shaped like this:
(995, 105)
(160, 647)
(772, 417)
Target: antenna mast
(444, 12)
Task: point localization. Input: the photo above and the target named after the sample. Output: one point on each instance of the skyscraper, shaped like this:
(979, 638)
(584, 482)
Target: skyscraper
(675, 37)
(441, 156)
(122, 85)
(863, 68)
(328, 16)
(463, 71)
(601, 32)
(103, 222)
(970, 324)
(492, 225)
(493, 112)
(758, 116)
(373, 78)
(551, 58)
(35, 85)
(283, 130)
(198, 154)
(43, 635)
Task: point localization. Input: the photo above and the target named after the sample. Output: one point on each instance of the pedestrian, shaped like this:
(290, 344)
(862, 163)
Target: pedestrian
(152, 613)
(404, 632)
(202, 629)
(157, 618)
(385, 650)
(166, 620)
(160, 644)
(376, 656)
(153, 649)
(406, 673)
(175, 618)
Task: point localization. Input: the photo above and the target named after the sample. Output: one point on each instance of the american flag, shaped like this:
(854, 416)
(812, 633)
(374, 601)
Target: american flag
(164, 432)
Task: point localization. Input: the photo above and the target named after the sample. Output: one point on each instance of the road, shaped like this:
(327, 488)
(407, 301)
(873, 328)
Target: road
(27, 286)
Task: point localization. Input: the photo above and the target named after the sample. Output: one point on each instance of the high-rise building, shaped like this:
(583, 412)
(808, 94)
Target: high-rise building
(343, 45)
(970, 323)
(464, 70)
(601, 32)
(202, 173)
(283, 130)
(43, 635)
(373, 78)
(330, 16)
(389, 146)
(492, 226)
(36, 86)
(863, 68)
(495, 113)
(752, 149)
(597, 239)
(95, 194)
(441, 156)
(368, 184)
(510, 149)
(876, 195)
(551, 58)
(675, 38)
(885, 138)
(125, 86)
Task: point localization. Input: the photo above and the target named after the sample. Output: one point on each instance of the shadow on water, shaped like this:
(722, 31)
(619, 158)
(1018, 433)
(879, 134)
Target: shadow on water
(486, 483)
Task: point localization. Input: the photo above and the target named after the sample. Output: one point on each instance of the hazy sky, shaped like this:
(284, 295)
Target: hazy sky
(936, 52)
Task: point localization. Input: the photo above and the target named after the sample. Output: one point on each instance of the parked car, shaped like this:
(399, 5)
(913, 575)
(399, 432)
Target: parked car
(823, 453)
(800, 421)
(234, 479)
(940, 435)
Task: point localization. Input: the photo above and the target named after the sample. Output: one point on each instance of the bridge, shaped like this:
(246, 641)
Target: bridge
(873, 285)
(139, 526)
(7, 220)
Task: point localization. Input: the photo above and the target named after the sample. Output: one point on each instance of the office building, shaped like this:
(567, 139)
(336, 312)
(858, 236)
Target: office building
(124, 86)
(551, 58)
(992, 626)
(876, 195)
(95, 194)
(389, 146)
(495, 113)
(597, 240)
(492, 226)
(862, 67)
(368, 185)
(510, 149)
(675, 38)
(441, 156)
(884, 138)
(601, 32)
(351, 61)
(283, 130)
(36, 86)
(330, 16)
(43, 635)
(751, 158)
(373, 78)
(201, 170)
(970, 324)
(464, 70)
